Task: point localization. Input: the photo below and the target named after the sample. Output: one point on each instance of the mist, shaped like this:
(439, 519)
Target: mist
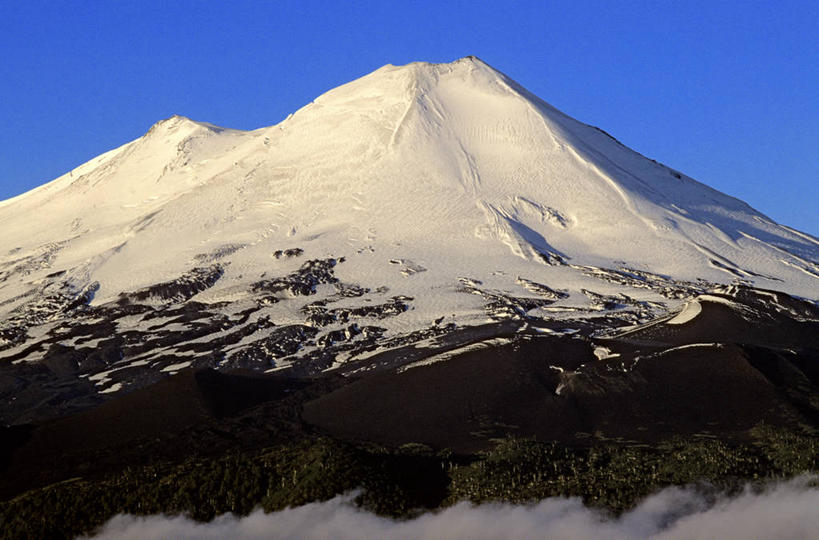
(782, 510)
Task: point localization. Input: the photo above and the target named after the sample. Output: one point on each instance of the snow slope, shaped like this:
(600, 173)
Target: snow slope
(430, 180)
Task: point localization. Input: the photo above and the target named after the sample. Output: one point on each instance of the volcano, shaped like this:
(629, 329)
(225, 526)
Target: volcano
(461, 255)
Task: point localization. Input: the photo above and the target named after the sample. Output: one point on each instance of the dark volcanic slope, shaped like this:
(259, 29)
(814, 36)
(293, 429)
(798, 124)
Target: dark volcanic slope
(461, 402)
(737, 315)
(746, 357)
(516, 389)
(192, 413)
(171, 405)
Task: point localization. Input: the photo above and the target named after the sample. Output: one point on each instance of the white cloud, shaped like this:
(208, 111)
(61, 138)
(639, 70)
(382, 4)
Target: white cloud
(785, 510)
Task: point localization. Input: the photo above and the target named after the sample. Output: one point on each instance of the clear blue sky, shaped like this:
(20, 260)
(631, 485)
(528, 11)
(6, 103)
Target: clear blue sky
(727, 92)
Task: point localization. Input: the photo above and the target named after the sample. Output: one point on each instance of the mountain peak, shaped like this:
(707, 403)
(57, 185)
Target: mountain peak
(471, 63)
(178, 123)
(173, 121)
(464, 63)
(464, 67)
(396, 86)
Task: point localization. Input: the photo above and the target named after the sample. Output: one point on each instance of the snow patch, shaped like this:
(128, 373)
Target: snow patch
(689, 313)
(443, 357)
(603, 353)
(173, 368)
(116, 387)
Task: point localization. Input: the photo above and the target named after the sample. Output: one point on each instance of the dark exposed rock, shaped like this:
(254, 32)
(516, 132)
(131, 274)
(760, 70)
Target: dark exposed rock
(335, 336)
(100, 358)
(231, 338)
(553, 259)
(180, 289)
(319, 315)
(632, 310)
(346, 290)
(54, 301)
(639, 279)
(282, 342)
(500, 305)
(11, 336)
(288, 253)
(541, 289)
(303, 282)
(63, 361)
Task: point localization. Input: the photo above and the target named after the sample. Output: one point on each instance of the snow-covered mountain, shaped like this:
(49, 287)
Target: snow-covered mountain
(402, 210)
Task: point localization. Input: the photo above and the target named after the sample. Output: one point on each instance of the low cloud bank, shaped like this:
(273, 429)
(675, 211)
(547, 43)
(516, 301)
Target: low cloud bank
(784, 510)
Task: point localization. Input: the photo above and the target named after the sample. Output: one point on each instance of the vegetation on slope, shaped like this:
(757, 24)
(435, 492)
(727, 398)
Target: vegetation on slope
(399, 482)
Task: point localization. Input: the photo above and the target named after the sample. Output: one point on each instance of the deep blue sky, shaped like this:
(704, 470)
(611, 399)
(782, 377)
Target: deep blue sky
(727, 92)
